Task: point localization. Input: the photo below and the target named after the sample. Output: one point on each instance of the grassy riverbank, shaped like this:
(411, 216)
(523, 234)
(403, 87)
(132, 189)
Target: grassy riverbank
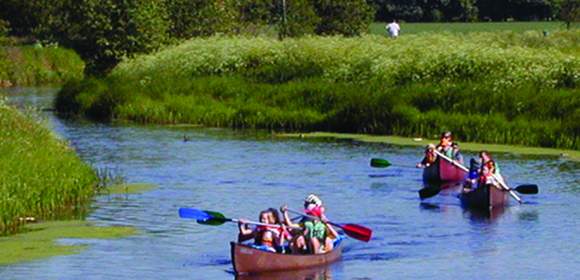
(41, 177)
(503, 87)
(34, 65)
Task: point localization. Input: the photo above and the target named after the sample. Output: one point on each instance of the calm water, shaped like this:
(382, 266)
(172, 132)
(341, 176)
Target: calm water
(241, 173)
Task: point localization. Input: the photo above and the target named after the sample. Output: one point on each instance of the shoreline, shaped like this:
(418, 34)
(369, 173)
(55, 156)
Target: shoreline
(415, 142)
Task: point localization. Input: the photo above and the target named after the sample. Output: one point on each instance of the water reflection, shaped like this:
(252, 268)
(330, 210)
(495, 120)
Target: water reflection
(318, 273)
(480, 216)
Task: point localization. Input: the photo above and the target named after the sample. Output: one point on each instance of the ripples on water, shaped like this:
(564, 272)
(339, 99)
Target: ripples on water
(240, 173)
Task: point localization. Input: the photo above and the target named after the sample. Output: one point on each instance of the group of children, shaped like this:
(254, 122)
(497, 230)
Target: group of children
(311, 235)
(482, 172)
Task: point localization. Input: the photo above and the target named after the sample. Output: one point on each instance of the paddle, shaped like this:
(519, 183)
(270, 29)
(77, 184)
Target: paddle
(498, 179)
(353, 230)
(380, 163)
(212, 218)
(428, 192)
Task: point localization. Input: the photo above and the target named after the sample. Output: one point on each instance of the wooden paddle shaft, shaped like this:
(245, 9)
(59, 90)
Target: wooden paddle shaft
(500, 180)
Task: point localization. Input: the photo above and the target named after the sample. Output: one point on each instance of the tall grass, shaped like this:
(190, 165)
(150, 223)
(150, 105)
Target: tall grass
(40, 176)
(493, 87)
(29, 65)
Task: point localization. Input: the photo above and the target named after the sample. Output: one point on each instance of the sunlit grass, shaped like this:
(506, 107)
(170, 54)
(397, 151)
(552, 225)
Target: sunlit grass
(40, 175)
(29, 65)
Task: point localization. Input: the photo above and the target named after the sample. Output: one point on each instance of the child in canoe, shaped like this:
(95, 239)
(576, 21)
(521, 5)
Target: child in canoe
(489, 170)
(429, 158)
(267, 238)
(318, 235)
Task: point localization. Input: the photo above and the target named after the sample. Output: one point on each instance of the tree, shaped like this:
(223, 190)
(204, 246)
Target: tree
(191, 18)
(255, 15)
(569, 11)
(459, 10)
(32, 17)
(346, 17)
(105, 31)
(296, 18)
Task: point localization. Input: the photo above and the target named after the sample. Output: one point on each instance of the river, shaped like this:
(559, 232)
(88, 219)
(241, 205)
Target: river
(239, 173)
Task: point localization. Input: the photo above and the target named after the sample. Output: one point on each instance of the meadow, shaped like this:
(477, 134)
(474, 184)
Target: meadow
(491, 87)
(41, 177)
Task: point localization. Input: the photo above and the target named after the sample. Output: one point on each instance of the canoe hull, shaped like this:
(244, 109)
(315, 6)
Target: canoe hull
(443, 171)
(248, 260)
(485, 198)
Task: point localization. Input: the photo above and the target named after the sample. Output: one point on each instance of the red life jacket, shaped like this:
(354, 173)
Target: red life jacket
(316, 211)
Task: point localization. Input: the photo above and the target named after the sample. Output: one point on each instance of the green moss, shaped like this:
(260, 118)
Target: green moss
(403, 141)
(128, 189)
(40, 240)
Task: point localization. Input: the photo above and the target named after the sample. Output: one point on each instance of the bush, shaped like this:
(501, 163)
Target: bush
(191, 18)
(104, 32)
(300, 18)
(345, 17)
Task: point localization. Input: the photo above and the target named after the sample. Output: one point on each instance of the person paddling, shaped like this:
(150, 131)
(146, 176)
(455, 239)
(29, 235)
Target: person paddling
(488, 169)
(445, 144)
(317, 232)
(429, 158)
(265, 237)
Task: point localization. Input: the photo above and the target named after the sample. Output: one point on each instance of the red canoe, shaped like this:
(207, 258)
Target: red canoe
(248, 260)
(485, 198)
(443, 171)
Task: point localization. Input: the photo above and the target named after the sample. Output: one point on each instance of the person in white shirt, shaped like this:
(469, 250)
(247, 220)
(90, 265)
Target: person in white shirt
(393, 29)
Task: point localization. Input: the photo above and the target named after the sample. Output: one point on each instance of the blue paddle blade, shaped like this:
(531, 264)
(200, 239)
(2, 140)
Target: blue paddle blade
(192, 213)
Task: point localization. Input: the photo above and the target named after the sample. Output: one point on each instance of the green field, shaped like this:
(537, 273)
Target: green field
(462, 27)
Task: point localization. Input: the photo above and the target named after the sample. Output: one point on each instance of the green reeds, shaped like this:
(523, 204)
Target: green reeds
(41, 177)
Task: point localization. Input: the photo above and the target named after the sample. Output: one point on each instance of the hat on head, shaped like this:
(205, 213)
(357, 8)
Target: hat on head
(313, 199)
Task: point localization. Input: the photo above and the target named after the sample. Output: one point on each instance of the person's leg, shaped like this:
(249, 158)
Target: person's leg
(315, 245)
(298, 245)
(328, 245)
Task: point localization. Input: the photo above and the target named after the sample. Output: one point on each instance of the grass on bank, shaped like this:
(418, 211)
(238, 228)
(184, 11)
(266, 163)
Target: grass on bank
(501, 87)
(420, 142)
(40, 240)
(40, 175)
(29, 65)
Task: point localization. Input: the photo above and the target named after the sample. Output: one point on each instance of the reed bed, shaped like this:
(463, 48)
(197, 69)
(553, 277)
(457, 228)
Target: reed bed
(504, 87)
(41, 177)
